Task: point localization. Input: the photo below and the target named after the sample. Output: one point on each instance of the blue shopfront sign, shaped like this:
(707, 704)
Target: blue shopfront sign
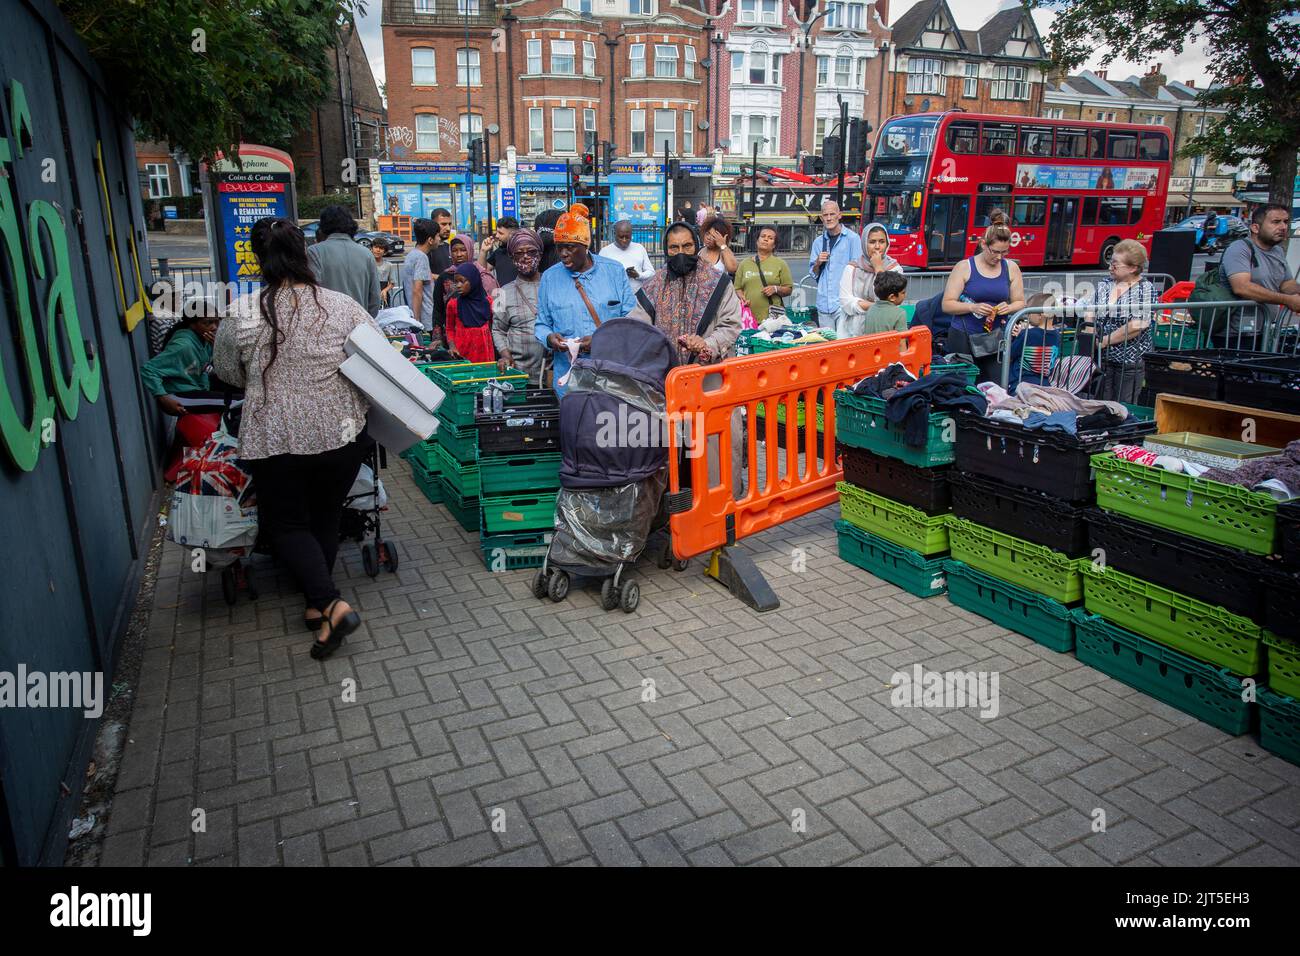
(509, 202)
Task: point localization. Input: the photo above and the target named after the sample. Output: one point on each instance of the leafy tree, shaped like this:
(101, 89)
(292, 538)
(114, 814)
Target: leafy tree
(1254, 69)
(204, 75)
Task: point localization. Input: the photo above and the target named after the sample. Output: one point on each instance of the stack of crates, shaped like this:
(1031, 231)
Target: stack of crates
(426, 466)
(518, 479)
(895, 499)
(1019, 530)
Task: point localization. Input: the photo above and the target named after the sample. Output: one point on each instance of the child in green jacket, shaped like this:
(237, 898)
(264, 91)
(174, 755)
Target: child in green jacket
(886, 313)
(182, 365)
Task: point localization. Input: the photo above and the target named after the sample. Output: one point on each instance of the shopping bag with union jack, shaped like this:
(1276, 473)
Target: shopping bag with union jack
(213, 505)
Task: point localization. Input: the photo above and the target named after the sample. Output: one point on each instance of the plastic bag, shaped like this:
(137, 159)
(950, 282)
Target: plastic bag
(361, 496)
(599, 528)
(213, 504)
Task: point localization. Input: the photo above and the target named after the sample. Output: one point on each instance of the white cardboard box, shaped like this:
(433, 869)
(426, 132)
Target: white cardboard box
(402, 401)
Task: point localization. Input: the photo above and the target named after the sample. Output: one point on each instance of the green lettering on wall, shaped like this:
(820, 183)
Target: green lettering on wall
(61, 303)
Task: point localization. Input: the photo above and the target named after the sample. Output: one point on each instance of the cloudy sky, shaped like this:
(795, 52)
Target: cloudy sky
(969, 13)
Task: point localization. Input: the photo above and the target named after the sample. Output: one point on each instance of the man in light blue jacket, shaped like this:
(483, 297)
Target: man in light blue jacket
(830, 255)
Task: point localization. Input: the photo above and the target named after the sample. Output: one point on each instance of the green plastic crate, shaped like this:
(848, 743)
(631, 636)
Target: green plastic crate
(742, 341)
(1193, 627)
(1224, 514)
(1279, 725)
(860, 422)
(509, 514)
(908, 569)
(1016, 560)
(972, 372)
(508, 473)
(510, 552)
(1038, 618)
(427, 481)
(800, 416)
(464, 479)
(459, 441)
(465, 510)
(463, 384)
(424, 452)
(757, 345)
(1171, 337)
(892, 520)
(1283, 664)
(1208, 693)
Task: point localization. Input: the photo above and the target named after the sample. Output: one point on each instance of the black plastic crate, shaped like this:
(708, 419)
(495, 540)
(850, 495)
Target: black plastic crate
(1197, 373)
(1272, 382)
(1288, 533)
(1023, 512)
(923, 488)
(532, 428)
(1051, 462)
(1224, 577)
(1282, 603)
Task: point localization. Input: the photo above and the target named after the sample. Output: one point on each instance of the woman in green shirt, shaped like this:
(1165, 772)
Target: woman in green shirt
(182, 365)
(764, 280)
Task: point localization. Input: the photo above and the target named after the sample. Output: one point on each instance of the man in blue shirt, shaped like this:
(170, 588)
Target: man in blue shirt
(577, 286)
(830, 255)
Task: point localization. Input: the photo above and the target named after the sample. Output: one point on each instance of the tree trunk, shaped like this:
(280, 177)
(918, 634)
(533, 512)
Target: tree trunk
(1282, 170)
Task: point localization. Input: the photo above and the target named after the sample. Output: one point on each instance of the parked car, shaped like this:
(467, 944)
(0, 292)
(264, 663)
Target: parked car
(391, 244)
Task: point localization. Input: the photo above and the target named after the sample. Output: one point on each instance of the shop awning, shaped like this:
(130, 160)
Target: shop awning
(1205, 199)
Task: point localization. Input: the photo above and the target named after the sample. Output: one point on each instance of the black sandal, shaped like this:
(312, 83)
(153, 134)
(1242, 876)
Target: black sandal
(312, 623)
(351, 621)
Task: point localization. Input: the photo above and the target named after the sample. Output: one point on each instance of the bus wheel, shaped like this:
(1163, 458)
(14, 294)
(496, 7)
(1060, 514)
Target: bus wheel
(1107, 251)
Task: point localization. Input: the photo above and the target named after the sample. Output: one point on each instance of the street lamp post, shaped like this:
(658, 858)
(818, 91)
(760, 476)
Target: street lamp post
(806, 27)
(1191, 186)
(718, 43)
(469, 123)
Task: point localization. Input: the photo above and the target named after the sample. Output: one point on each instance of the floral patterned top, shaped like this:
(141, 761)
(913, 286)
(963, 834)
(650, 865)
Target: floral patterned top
(302, 404)
(1138, 301)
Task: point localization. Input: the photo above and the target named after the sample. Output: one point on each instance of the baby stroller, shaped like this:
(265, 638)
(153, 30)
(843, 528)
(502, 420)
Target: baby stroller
(366, 499)
(614, 472)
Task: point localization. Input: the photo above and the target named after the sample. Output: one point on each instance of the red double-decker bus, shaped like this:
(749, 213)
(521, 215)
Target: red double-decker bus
(1071, 190)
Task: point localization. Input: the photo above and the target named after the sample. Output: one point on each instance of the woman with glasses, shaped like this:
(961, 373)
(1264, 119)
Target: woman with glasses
(514, 316)
(981, 293)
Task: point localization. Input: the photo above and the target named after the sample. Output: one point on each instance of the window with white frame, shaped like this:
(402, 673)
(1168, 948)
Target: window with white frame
(834, 15)
(688, 132)
(637, 127)
(970, 86)
(819, 133)
(536, 131)
(737, 66)
(564, 131)
(758, 63)
(423, 68)
(759, 11)
(160, 184)
(642, 8)
(562, 57)
(1202, 124)
(1106, 116)
(854, 12)
(1054, 112)
(823, 71)
(1198, 166)
(737, 133)
(860, 76)
(467, 7)
(1155, 119)
(665, 131)
(534, 56)
(843, 69)
(426, 133)
(778, 61)
(665, 60)
(689, 64)
(471, 127)
(588, 58)
(424, 6)
(1010, 83)
(467, 67)
(636, 59)
(924, 75)
(589, 131)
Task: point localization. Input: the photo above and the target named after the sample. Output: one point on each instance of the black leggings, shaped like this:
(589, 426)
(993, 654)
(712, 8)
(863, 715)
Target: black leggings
(299, 503)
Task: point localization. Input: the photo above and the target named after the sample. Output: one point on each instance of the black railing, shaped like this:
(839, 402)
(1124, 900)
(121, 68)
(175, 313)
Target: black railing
(439, 13)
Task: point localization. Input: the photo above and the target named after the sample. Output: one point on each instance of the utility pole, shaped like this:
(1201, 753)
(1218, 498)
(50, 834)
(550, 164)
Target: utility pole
(469, 124)
(668, 216)
(844, 143)
(806, 26)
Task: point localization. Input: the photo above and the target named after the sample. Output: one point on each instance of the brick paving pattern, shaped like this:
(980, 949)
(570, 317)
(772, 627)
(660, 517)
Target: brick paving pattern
(476, 704)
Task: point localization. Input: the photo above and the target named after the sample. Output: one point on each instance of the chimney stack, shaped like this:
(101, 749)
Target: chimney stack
(1100, 74)
(1151, 83)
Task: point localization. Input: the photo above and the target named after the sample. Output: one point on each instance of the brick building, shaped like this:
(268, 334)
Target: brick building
(166, 178)
(993, 69)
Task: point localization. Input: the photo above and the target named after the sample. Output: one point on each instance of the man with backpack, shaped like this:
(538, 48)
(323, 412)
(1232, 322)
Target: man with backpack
(1254, 269)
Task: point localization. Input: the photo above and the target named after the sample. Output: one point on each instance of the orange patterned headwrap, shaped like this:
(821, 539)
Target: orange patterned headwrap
(574, 225)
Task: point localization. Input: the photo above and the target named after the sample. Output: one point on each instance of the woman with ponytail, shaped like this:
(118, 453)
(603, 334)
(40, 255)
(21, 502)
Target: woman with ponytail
(303, 427)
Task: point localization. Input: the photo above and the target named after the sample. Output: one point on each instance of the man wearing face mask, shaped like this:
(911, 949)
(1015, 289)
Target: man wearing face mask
(514, 314)
(699, 308)
(578, 293)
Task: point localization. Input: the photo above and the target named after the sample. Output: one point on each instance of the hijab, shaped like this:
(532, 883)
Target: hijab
(473, 309)
(865, 262)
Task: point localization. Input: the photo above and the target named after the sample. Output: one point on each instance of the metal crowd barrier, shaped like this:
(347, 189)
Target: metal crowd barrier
(924, 285)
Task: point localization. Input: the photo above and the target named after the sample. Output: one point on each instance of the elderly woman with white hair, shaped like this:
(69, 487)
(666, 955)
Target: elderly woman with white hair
(1120, 311)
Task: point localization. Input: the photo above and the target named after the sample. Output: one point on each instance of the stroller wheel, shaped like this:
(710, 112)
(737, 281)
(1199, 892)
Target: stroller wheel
(388, 556)
(229, 590)
(558, 586)
(631, 597)
(609, 594)
(683, 564)
(541, 584)
(368, 561)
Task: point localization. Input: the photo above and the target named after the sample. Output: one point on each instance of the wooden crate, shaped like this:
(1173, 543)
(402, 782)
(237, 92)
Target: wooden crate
(1181, 413)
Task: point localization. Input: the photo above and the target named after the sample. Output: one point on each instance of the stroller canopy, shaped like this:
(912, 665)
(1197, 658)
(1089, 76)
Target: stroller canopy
(634, 348)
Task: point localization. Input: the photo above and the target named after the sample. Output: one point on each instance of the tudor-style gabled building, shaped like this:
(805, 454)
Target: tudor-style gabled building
(935, 65)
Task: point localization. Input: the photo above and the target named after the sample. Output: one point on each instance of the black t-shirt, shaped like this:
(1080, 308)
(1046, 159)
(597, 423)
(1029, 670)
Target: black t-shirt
(503, 265)
(440, 258)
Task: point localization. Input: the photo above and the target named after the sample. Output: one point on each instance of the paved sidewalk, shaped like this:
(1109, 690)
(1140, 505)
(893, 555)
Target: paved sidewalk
(476, 704)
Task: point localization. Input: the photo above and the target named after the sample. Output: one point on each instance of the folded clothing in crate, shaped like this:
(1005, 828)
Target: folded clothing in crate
(1024, 512)
(1225, 577)
(923, 488)
(860, 422)
(1219, 513)
(1202, 630)
(1211, 694)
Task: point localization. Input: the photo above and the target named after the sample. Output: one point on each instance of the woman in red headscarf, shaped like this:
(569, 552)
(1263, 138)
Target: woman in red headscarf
(469, 315)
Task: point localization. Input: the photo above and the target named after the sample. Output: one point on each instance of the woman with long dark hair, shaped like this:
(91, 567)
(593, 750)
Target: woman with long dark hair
(303, 427)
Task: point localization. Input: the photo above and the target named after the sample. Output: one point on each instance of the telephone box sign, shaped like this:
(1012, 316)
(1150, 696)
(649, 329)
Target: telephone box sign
(237, 198)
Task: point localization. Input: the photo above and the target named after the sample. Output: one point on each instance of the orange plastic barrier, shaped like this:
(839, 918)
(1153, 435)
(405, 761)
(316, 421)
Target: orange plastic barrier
(703, 398)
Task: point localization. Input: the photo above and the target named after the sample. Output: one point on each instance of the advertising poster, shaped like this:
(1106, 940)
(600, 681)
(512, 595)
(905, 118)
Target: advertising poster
(407, 198)
(640, 204)
(241, 204)
(1030, 176)
(509, 202)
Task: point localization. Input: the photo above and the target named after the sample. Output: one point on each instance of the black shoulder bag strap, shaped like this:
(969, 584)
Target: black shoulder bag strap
(763, 279)
(644, 301)
(714, 303)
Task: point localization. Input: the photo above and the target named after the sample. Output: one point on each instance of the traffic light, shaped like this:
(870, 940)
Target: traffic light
(812, 166)
(476, 164)
(674, 169)
(831, 155)
(589, 164)
(858, 146)
(607, 158)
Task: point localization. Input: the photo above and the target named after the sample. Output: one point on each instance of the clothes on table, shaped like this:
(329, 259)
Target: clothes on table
(911, 405)
(885, 382)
